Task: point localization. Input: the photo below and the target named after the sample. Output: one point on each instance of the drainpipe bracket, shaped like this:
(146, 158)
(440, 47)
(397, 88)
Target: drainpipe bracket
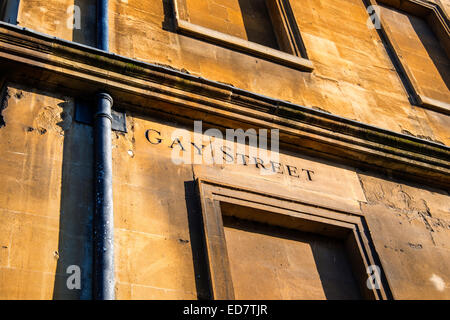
(84, 114)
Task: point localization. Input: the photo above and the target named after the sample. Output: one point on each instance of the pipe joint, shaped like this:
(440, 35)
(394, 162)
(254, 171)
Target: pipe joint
(103, 115)
(104, 105)
(103, 95)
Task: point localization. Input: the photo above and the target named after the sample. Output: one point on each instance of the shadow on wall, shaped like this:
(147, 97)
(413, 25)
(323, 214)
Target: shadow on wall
(197, 237)
(169, 16)
(257, 23)
(329, 257)
(334, 269)
(2, 10)
(76, 209)
(85, 28)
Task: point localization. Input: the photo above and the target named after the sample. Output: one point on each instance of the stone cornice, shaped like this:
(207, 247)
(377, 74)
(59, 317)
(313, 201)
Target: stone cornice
(81, 70)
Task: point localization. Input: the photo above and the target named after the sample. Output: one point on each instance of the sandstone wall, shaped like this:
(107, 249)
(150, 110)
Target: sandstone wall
(45, 196)
(46, 208)
(353, 75)
(46, 190)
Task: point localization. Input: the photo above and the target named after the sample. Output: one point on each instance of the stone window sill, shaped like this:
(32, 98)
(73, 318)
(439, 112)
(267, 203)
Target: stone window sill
(185, 27)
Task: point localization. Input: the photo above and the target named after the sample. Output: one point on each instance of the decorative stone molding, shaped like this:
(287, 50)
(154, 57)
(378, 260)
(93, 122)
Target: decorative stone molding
(78, 70)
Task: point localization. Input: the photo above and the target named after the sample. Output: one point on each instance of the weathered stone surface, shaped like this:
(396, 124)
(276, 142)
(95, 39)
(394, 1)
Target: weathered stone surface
(46, 194)
(344, 53)
(410, 227)
(46, 197)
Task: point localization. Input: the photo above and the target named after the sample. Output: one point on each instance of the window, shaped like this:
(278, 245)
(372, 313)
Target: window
(264, 28)
(9, 10)
(418, 35)
(261, 246)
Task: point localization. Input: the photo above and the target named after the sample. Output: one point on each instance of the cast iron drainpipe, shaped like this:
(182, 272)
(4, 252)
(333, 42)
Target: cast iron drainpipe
(104, 216)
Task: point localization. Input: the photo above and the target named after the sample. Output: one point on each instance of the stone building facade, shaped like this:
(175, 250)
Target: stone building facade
(353, 204)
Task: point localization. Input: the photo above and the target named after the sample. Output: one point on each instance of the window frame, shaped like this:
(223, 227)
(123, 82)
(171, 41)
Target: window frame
(292, 40)
(352, 228)
(438, 21)
(2, 10)
(9, 11)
